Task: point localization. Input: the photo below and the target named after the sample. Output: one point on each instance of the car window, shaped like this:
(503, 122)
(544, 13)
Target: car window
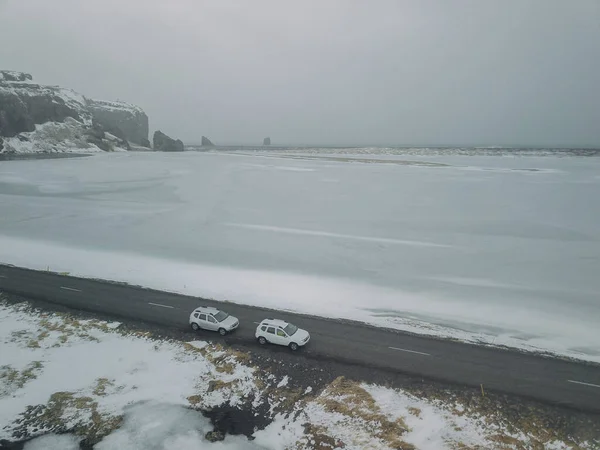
(221, 316)
(280, 333)
(202, 316)
(211, 319)
(263, 328)
(290, 329)
(271, 330)
(196, 315)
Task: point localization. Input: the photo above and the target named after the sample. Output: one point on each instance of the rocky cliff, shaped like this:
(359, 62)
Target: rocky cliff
(206, 142)
(40, 118)
(121, 118)
(23, 104)
(164, 143)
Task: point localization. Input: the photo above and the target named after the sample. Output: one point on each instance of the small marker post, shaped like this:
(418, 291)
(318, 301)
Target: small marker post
(482, 393)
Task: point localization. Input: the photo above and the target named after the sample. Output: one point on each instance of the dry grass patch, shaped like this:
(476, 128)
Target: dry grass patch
(194, 400)
(316, 438)
(79, 412)
(349, 399)
(514, 424)
(101, 385)
(217, 385)
(226, 367)
(414, 411)
(15, 379)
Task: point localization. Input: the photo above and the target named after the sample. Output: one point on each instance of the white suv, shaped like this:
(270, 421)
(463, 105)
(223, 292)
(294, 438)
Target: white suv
(208, 318)
(279, 332)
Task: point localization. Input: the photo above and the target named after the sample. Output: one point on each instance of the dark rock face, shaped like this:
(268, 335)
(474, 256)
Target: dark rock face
(163, 143)
(10, 75)
(131, 120)
(206, 142)
(97, 135)
(267, 141)
(65, 120)
(22, 106)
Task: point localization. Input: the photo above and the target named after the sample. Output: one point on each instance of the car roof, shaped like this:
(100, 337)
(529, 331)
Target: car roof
(274, 322)
(206, 309)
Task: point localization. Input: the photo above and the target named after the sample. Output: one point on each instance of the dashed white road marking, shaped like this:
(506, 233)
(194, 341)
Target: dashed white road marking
(409, 351)
(162, 306)
(3, 276)
(257, 323)
(70, 289)
(585, 384)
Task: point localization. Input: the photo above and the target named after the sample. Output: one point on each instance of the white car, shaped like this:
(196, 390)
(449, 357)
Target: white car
(280, 332)
(213, 319)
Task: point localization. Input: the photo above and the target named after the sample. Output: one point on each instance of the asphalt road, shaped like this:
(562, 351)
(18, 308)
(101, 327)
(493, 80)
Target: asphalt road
(555, 381)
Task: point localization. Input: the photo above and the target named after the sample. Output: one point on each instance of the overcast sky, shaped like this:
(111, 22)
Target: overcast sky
(347, 72)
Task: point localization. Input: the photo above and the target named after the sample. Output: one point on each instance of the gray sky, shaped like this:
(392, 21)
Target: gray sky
(347, 72)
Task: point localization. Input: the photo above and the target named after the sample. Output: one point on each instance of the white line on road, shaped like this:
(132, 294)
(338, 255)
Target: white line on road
(3, 276)
(409, 351)
(257, 323)
(162, 306)
(585, 384)
(70, 289)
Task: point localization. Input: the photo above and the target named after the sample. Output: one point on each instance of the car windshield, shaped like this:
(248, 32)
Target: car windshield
(290, 329)
(221, 316)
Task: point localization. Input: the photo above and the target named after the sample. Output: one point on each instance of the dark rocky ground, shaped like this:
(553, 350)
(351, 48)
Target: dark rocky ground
(35, 156)
(304, 371)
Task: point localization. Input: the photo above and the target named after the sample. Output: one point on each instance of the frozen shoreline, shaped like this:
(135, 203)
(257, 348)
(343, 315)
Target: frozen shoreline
(336, 299)
(495, 254)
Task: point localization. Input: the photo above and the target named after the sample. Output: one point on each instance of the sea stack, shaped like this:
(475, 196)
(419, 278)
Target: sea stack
(163, 143)
(206, 142)
(267, 141)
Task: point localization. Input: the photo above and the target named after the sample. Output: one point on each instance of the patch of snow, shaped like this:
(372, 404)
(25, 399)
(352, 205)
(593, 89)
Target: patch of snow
(53, 442)
(114, 106)
(151, 425)
(52, 137)
(283, 382)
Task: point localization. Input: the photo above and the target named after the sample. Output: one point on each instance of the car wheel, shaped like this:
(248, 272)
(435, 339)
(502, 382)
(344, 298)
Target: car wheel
(262, 340)
(195, 326)
(294, 346)
(222, 331)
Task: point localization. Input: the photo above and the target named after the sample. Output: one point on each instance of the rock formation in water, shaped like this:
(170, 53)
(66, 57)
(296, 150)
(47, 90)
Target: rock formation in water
(267, 141)
(206, 142)
(163, 143)
(40, 118)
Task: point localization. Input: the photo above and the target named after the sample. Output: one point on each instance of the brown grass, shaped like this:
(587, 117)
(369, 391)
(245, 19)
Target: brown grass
(101, 385)
(318, 439)
(19, 378)
(194, 399)
(348, 398)
(414, 411)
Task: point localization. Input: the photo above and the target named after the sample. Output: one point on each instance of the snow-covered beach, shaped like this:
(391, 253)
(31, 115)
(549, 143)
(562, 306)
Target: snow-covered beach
(500, 250)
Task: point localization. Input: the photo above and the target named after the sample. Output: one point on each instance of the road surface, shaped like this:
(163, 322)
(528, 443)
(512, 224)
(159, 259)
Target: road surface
(555, 381)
